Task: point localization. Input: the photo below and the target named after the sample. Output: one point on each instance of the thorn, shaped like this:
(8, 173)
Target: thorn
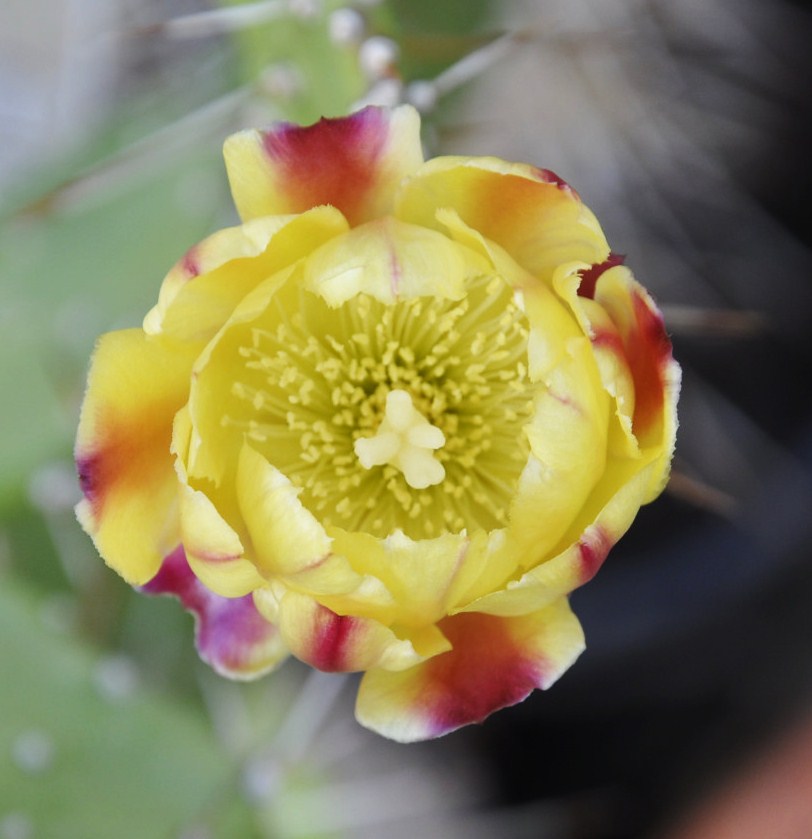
(702, 495)
(218, 21)
(729, 323)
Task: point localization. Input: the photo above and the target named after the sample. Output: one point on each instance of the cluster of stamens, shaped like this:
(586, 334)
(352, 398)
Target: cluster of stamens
(402, 416)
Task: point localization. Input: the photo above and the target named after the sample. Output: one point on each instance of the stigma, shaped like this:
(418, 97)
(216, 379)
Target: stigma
(406, 440)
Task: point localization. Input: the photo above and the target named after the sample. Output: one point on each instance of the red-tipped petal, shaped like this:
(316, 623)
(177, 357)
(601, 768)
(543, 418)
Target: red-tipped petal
(589, 276)
(230, 634)
(647, 348)
(353, 163)
(339, 643)
(135, 387)
(495, 662)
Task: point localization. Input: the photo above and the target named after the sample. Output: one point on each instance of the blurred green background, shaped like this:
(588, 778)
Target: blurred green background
(675, 122)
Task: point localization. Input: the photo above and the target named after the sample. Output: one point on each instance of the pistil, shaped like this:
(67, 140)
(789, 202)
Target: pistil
(406, 440)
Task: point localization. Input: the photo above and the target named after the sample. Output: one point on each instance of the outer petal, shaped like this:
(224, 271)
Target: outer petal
(230, 634)
(494, 663)
(353, 163)
(537, 218)
(229, 264)
(135, 386)
(341, 643)
(655, 374)
(572, 285)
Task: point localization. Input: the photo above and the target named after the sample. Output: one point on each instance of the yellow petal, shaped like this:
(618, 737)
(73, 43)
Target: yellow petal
(286, 537)
(213, 548)
(390, 260)
(583, 550)
(422, 576)
(568, 435)
(214, 447)
(200, 293)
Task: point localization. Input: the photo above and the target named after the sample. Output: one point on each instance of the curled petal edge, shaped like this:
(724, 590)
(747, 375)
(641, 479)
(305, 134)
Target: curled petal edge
(230, 634)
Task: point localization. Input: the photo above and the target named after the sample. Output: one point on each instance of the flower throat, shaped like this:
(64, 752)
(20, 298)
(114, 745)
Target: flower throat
(406, 416)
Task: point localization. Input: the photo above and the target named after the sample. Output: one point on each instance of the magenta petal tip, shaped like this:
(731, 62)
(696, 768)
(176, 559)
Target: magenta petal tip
(230, 634)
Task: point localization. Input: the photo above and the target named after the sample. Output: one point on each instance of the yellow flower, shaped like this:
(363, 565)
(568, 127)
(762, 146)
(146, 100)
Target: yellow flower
(386, 424)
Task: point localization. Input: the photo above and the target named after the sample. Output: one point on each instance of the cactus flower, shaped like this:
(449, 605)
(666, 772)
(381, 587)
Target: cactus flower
(386, 424)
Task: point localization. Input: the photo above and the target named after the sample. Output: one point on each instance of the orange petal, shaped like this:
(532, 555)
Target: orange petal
(135, 386)
(353, 163)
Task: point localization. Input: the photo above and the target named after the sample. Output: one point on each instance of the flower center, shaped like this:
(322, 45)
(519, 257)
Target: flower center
(406, 440)
(407, 416)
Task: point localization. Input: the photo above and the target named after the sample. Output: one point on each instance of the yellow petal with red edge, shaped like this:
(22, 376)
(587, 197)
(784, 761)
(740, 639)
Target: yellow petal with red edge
(494, 663)
(655, 374)
(135, 387)
(340, 643)
(353, 163)
(531, 213)
(200, 293)
(583, 553)
(609, 353)
(286, 537)
(390, 260)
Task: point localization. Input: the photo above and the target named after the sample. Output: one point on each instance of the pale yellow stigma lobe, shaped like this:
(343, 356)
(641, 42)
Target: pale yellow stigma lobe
(406, 440)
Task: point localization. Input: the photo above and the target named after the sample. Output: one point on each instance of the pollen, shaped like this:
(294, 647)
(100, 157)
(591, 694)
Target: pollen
(407, 416)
